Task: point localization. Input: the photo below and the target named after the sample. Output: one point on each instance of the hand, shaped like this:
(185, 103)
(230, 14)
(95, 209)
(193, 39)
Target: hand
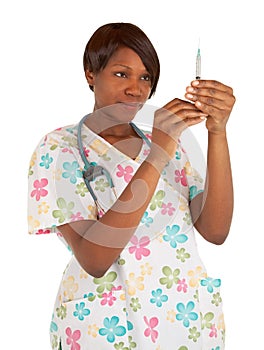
(214, 99)
(169, 123)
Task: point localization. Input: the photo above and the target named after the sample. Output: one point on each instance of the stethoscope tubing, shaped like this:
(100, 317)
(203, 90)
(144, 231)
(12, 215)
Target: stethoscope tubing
(91, 171)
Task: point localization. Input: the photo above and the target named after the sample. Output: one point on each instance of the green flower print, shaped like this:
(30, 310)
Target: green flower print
(188, 218)
(54, 341)
(170, 277)
(65, 211)
(121, 346)
(194, 334)
(157, 200)
(132, 344)
(183, 348)
(61, 311)
(81, 189)
(71, 141)
(206, 320)
(135, 305)
(100, 185)
(182, 255)
(217, 299)
(72, 171)
(105, 282)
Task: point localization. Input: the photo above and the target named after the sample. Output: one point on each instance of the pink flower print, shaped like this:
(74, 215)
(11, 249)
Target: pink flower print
(39, 190)
(108, 299)
(167, 209)
(182, 286)
(146, 152)
(77, 217)
(150, 331)
(72, 338)
(149, 136)
(42, 232)
(139, 247)
(181, 177)
(213, 332)
(127, 172)
(86, 151)
(66, 149)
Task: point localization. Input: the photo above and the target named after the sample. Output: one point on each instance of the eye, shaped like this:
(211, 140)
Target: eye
(146, 77)
(121, 74)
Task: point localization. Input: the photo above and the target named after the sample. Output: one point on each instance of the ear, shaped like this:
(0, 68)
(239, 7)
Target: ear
(89, 77)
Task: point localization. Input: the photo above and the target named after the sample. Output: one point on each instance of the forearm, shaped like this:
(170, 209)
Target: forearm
(216, 211)
(107, 237)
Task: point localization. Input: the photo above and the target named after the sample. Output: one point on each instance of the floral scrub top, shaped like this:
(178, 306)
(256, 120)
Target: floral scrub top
(157, 295)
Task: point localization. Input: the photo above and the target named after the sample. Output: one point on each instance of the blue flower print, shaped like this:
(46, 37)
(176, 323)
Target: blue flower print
(217, 348)
(81, 312)
(146, 219)
(178, 155)
(111, 329)
(194, 191)
(46, 161)
(210, 283)
(72, 171)
(185, 313)
(158, 298)
(172, 236)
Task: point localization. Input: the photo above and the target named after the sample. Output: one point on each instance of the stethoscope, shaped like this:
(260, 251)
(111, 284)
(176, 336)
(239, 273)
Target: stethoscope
(92, 171)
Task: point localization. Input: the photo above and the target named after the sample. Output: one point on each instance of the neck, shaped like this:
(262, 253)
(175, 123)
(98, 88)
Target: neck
(105, 127)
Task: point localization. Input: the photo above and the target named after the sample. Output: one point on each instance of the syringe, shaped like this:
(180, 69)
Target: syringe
(198, 63)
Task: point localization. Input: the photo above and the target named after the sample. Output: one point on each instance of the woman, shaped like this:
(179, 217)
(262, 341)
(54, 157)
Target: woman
(135, 280)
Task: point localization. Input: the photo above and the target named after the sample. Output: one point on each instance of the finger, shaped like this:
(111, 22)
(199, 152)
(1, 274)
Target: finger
(212, 110)
(212, 84)
(175, 114)
(178, 103)
(210, 97)
(211, 101)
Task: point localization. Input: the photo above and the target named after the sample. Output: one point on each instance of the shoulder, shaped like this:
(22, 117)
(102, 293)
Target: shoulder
(58, 138)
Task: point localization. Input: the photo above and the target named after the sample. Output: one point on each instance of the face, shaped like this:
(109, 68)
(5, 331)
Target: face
(124, 82)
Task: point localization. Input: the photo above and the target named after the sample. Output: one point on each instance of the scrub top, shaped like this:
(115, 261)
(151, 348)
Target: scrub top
(157, 294)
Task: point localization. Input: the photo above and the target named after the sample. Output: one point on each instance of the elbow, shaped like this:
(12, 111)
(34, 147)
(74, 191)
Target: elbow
(217, 238)
(94, 270)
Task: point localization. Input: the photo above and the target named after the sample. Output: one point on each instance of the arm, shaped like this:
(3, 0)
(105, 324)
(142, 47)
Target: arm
(212, 211)
(96, 245)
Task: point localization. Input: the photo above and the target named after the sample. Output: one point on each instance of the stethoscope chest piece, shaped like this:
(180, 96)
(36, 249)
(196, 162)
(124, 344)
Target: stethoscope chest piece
(93, 172)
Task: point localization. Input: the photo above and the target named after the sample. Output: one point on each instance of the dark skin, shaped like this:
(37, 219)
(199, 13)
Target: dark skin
(125, 83)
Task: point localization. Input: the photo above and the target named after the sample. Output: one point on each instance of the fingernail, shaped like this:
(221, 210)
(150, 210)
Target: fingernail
(189, 96)
(198, 104)
(195, 82)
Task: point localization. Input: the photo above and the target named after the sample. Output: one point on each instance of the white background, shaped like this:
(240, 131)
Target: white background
(43, 87)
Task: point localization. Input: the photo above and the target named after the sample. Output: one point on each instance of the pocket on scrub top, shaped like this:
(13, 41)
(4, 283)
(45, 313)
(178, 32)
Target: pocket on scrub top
(211, 309)
(90, 320)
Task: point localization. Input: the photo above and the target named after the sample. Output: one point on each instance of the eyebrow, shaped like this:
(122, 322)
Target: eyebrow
(125, 66)
(121, 65)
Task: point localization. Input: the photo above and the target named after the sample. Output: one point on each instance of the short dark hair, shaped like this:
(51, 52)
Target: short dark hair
(109, 37)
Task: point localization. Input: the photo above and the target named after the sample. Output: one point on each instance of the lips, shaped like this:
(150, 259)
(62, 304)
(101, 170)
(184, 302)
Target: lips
(133, 106)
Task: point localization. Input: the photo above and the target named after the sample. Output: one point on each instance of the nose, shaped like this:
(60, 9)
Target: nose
(133, 88)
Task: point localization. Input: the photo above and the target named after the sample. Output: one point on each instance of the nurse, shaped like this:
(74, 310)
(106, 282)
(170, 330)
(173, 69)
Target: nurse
(135, 279)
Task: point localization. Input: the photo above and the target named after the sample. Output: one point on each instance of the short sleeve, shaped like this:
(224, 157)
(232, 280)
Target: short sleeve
(57, 193)
(192, 177)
